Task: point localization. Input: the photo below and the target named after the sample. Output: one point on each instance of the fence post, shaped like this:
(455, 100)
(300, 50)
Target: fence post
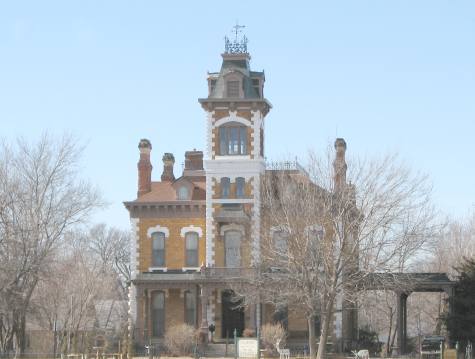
(235, 344)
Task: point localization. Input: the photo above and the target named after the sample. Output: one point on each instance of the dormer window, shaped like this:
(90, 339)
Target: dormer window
(233, 140)
(232, 88)
(257, 87)
(183, 193)
(212, 85)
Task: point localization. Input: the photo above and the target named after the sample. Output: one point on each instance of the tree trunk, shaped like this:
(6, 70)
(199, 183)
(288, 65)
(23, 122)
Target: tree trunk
(393, 338)
(388, 343)
(323, 337)
(311, 336)
(325, 326)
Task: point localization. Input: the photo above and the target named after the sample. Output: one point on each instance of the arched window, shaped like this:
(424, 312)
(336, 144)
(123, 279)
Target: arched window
(183, 193)
(158, 249)
(158, 314)
(240, 183)
(190, 308)
(232, 247)
(233, 140)
(225, 185)
(191, 245)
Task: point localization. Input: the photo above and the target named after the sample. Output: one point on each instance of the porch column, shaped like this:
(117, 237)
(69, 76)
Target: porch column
(149, 315)
(252, 317)
(204, 315)
(401, 322)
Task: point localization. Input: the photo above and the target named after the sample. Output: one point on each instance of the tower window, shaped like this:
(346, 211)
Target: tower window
(233, 140)
(240, 183)
(256, 86)
(232, 88)
(225, 184)
(212, 85)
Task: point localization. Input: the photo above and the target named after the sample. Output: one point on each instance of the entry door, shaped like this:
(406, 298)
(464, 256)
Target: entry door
(158, 314)
(232, 245)
(232, 315)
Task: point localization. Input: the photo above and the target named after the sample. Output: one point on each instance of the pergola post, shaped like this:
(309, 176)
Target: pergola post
(401, 322)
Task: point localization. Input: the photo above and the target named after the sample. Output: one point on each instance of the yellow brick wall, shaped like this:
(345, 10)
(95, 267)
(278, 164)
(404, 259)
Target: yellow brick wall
(216, 187)
(174, 244)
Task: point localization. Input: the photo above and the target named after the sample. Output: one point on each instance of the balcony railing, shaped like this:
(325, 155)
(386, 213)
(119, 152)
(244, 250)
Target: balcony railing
(285, 166)
(229, 273)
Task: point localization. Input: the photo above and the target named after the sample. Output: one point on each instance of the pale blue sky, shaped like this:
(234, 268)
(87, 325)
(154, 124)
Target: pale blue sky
(385, 75)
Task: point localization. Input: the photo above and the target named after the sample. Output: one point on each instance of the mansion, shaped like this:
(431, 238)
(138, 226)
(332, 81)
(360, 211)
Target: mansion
(194, 231)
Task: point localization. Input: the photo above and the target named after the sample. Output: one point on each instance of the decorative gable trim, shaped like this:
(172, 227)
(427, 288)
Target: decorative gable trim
(158, 228)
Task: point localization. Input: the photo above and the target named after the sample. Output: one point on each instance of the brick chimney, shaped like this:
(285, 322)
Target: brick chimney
(339, 165)
(194, 160)
(144, 168)
(168, 162)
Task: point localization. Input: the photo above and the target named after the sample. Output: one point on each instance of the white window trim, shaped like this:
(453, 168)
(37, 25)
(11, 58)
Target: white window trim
(163, 269)
(184, 269)
(191, 228)
(232, 118)
(232, 227)
(159, 229)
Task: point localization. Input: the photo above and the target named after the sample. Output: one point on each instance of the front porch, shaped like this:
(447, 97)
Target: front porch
(165, 299)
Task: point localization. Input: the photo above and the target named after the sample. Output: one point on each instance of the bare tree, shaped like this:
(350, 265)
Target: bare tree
(41, 197)
(112, 246)
(72, 295)
(323, 234)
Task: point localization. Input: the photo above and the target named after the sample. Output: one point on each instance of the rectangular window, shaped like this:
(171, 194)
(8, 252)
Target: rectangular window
(212, 85)
(191, 244)
(158, 249)
(232, 88)
(225, 187)
(190, 308)
(240, 183)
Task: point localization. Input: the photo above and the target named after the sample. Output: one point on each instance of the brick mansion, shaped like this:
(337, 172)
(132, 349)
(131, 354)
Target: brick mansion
(193, 230)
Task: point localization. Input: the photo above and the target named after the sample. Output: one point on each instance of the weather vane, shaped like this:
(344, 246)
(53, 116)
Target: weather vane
(237, 46)
(238, 29)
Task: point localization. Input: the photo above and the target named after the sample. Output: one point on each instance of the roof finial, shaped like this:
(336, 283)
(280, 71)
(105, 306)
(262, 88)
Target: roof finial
(238, 46)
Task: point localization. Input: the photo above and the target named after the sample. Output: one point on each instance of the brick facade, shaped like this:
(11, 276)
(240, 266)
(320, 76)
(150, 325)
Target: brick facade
(194, 202)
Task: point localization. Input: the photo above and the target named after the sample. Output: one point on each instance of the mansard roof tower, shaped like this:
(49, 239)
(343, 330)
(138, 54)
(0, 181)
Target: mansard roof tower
(234, 156)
